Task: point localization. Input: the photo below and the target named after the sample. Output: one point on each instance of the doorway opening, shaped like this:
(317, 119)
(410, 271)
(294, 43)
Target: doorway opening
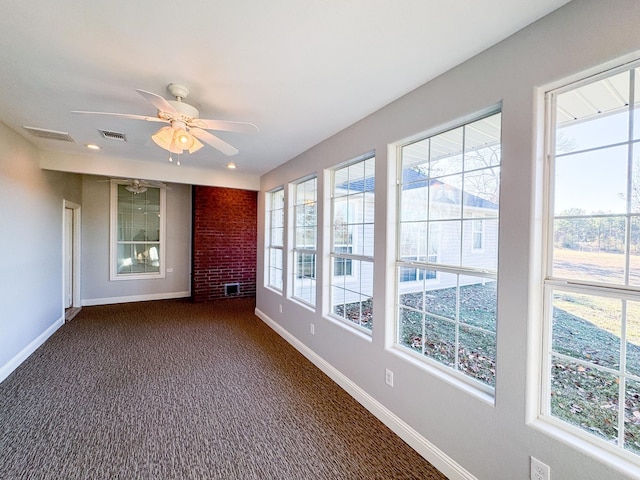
(71, 260)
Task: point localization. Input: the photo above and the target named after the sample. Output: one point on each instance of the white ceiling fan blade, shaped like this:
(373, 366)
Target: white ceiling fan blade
(214, 141)
(225, 126)
(124, 115)
(157, 101)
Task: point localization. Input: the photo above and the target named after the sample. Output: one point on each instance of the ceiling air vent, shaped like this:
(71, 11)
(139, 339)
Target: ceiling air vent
(49, 134)
(121, 137)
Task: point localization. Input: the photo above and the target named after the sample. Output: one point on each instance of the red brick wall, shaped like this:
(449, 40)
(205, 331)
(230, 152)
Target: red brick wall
(224, 242)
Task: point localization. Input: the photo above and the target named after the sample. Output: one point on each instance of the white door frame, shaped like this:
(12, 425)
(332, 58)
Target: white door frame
(75, 241)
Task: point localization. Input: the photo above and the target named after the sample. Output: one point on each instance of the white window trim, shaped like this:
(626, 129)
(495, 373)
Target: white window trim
(296, 250)
(269, 246)
(332, 256)
(614, 455)
(449, 374)
(113, 238)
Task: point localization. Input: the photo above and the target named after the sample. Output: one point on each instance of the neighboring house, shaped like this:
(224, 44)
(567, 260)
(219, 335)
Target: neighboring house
(480, 232)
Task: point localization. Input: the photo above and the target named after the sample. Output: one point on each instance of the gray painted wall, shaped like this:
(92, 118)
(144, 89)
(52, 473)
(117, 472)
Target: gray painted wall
(31, 214)
(96, 286)
(491, 440)
(31, 210)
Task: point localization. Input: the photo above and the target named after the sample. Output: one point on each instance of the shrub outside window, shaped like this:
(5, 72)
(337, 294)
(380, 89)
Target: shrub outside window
(448, 198)
(591, 367)
(352, 208)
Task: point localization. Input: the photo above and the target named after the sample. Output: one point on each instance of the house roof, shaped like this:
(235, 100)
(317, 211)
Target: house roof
(439, 191)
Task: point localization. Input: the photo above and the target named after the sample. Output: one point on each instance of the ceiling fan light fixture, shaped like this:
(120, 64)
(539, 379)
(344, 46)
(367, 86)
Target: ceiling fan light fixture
(195, 145)
(164, 139)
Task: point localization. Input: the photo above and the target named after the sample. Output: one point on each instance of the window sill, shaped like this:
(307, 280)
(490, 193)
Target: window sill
(443, 373)
(350, 327)
(612, 457)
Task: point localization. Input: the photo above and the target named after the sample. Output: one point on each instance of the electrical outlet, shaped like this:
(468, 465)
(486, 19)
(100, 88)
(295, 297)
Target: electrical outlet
(313, 329)
(280, 308)
(389, 377)
(539, 470)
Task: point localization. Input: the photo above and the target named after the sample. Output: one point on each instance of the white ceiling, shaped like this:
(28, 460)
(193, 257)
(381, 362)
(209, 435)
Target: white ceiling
(300, 70)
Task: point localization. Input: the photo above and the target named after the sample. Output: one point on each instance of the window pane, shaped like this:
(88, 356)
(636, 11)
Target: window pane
(596, 241)
(632, 416)
(634, 252)
(445, 198)
(482, 143)
(459, 188)
(138, 258)
(636, 110)
(633, 338)
(440, 340)
(353, 233)
(589, 248)
(477, 354)
(138, 222)
(413, 239)
(444, 240)
(591, 191)
(585, 397)
(603, 104)
(446, 153)
(442, 300)
(410, 329)
(304, 286)
(352, 294)
(478, 302)
(481, 192)
(414, 202)
(587, 327)
(480, 244)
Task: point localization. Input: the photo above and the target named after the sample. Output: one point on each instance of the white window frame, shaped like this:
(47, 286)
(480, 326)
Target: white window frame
(551, 283)
(440, 266)
(113, 236)
(355, 260)
(304, 250)
(274, 247)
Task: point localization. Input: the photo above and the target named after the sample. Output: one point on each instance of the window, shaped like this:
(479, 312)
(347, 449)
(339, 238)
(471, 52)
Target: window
(304, 250)
(275, 238)
(448, 249)
(591, 379)
(137, 232)
(352, 207)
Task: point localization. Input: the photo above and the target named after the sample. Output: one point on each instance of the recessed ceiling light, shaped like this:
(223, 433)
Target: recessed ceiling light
(231, 165)
(93, 146)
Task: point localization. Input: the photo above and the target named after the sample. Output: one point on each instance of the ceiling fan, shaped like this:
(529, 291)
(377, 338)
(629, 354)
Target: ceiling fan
(135, 185)
(185, 129)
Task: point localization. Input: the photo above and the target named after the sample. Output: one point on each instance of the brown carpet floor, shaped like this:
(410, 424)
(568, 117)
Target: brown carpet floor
(175, 390)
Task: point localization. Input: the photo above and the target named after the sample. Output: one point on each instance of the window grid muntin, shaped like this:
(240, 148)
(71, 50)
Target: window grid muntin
(622, 291)
(442, 266)
(352, 266)
(275, 239)
(305, 253)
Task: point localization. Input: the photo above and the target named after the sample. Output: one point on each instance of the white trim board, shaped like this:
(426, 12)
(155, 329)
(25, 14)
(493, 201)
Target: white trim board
(87, 302)
(8, 368)
(420, 444)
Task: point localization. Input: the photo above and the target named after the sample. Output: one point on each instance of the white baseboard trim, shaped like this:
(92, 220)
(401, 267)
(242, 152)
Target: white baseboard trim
(420, 444)
(88, 302)
(22, 355)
